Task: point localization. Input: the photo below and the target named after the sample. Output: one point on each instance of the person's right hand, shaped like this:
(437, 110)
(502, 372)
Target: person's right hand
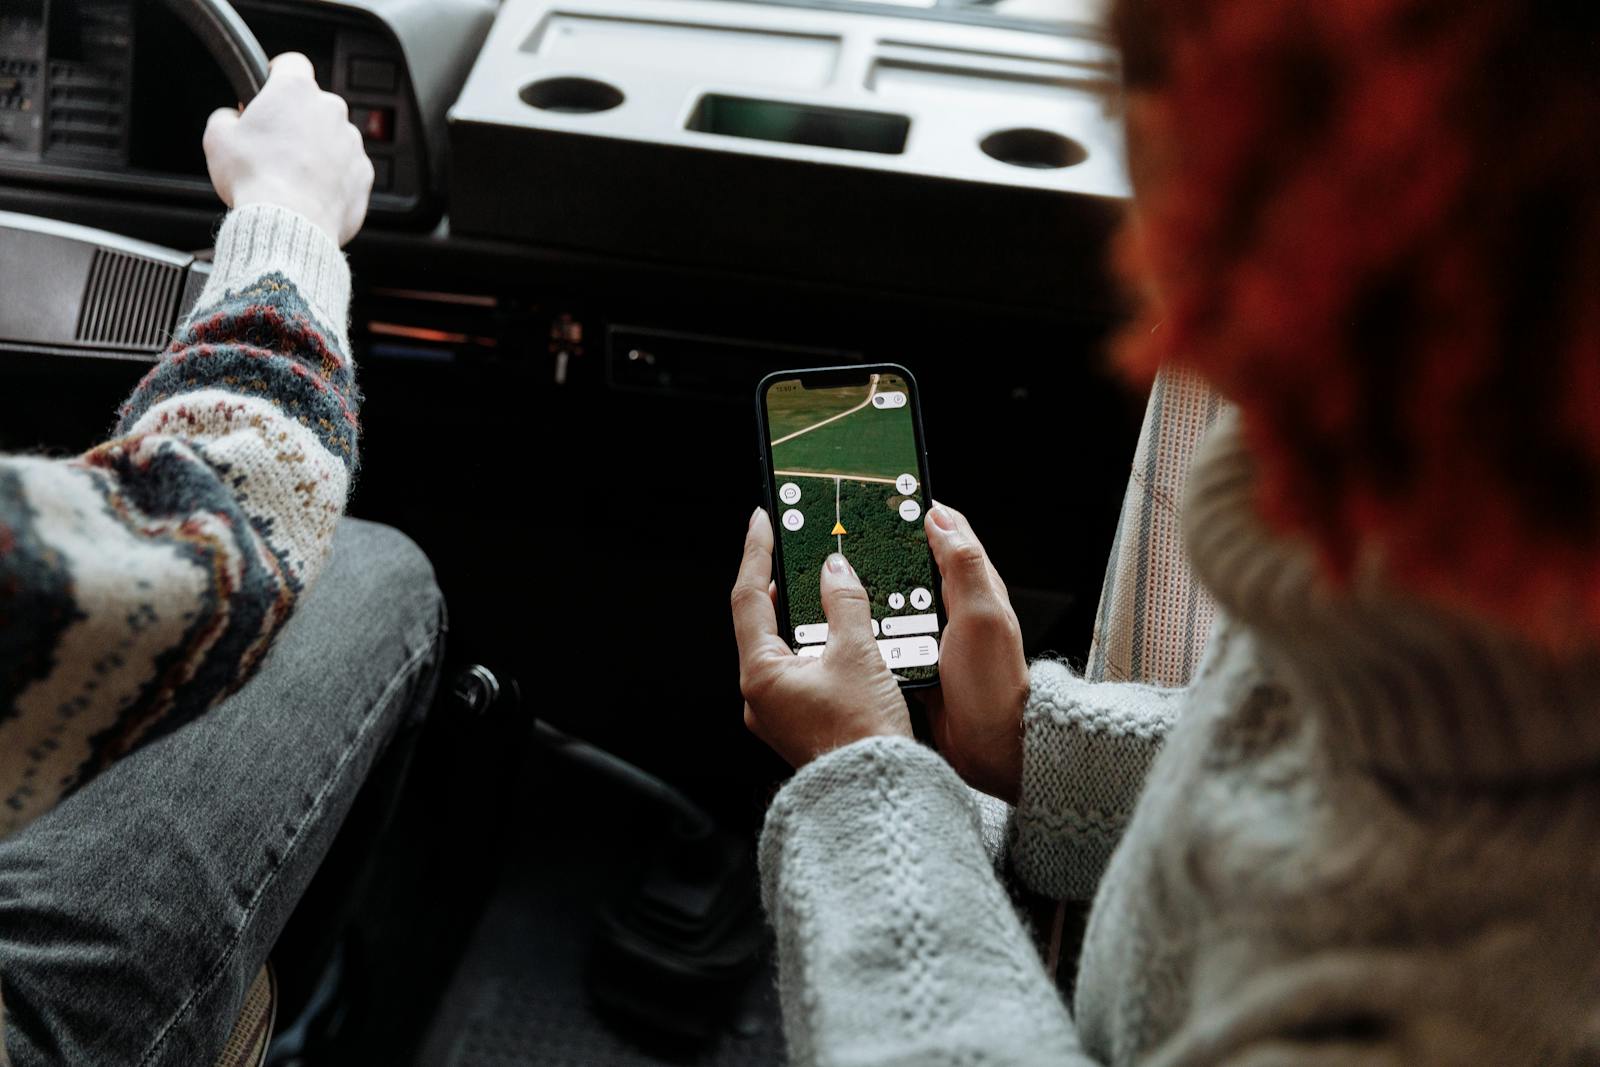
(805, 706)
(293, 146)
(976, 713)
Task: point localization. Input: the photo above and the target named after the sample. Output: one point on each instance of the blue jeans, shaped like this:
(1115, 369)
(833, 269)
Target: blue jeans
(134, 915)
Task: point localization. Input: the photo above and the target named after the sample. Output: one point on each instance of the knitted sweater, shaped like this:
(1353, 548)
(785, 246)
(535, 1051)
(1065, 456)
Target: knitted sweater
(1369, 837)
(144, 580)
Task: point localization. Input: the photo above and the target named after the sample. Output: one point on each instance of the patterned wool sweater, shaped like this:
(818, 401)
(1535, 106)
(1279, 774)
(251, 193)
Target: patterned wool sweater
(144, 580)
(1365, 834)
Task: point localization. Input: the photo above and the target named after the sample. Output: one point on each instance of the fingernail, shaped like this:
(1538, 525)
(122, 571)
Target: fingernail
(942, 518)
(754, 515)
(838, 564)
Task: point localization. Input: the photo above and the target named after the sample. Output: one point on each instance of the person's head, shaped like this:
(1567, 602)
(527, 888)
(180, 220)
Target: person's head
(1375, 225)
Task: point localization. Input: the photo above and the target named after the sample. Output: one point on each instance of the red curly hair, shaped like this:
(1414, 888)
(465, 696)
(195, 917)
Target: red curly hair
(1375, 225)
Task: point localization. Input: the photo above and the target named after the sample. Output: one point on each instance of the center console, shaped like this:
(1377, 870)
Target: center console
(856, 147)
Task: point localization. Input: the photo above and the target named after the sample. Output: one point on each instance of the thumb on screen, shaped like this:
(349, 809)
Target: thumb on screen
(845, 603)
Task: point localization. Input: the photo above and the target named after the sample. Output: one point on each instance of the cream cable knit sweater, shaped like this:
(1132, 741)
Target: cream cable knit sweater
(1368, 838)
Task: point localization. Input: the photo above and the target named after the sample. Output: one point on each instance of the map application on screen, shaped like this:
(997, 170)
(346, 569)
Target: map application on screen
(847, 477)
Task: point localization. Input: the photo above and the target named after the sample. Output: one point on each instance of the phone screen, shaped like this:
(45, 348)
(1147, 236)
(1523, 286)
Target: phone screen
(847, 476)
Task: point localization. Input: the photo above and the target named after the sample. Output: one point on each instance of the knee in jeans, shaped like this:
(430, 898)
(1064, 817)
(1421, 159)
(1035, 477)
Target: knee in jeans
(396, 570)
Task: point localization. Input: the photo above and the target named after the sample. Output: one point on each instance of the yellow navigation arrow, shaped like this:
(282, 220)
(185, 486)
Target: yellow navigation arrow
(838, 528)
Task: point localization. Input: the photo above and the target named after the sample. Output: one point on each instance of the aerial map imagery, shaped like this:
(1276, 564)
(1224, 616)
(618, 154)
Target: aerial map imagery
(845, 465)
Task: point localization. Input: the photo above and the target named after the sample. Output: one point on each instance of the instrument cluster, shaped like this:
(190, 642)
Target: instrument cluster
(114, 94)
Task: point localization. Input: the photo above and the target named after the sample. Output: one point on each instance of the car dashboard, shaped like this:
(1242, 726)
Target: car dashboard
(109, 96)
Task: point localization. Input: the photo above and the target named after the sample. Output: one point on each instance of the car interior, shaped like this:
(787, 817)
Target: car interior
(595, 226)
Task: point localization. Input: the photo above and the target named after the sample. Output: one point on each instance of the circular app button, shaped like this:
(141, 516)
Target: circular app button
(907, 484)
(921, 598)
(793, 519)
(897, 601)
(910, 510)
(789, 493)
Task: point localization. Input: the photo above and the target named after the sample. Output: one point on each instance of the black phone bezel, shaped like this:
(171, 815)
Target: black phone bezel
(823, 377)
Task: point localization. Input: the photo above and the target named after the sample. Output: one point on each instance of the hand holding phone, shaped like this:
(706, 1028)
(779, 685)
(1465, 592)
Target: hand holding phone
(804, 706)
(846, 471)
(976, 713)
(816, 687)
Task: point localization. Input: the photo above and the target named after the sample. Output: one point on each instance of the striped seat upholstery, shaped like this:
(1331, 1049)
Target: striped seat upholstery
(1154, 619)
(252, 1031)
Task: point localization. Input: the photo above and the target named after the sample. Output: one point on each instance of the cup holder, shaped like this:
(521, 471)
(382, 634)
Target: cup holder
(572, 96)
(1035, 149)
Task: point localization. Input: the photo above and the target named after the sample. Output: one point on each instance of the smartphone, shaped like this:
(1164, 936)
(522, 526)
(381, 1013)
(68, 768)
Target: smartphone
(846, 470)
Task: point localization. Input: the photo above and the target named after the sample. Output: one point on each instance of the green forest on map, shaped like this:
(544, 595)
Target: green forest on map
(845, 454)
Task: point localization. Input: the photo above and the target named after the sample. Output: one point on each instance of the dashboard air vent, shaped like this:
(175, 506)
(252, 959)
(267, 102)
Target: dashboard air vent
(129, 303)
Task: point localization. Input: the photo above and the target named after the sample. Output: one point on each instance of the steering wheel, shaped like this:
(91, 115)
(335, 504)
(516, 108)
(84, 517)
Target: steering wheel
(229, 41)
(45, 305)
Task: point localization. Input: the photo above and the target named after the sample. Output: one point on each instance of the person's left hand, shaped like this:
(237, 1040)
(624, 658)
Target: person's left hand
(805, 706)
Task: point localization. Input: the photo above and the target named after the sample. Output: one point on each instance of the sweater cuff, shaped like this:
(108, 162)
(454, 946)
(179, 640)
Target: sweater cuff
(896, 943)
(262, 239)
(1086, 749)
(843, 791)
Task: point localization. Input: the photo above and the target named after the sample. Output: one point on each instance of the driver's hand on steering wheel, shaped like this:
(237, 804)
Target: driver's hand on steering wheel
(293, 146)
